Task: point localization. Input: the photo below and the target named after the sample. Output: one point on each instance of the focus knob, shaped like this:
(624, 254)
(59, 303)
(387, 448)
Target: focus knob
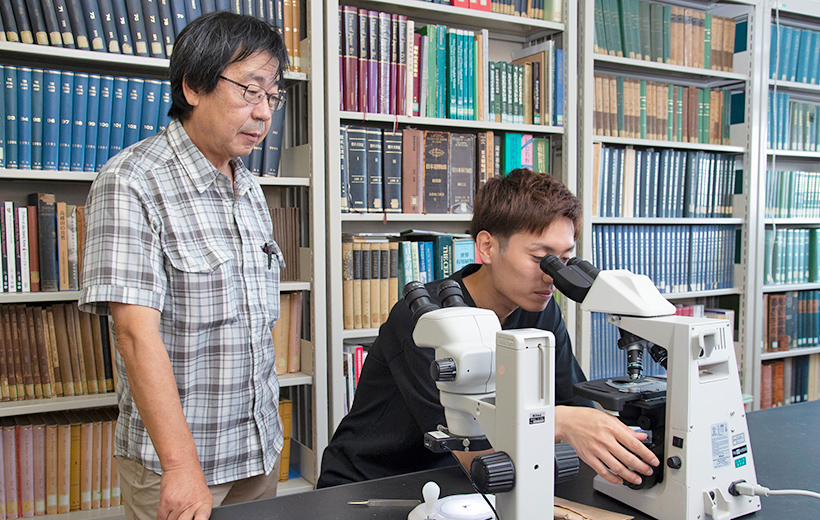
(493, 473)
(674, 462)
(443, 369)
(566, 462)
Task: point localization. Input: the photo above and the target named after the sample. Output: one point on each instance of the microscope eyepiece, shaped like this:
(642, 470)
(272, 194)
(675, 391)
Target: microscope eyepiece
(551, 265)
(418, 299)
(572, 280)
(587, 267)
(450, 295)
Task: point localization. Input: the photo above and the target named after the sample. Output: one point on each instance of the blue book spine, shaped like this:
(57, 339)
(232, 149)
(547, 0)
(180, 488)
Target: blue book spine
(180, 18)
(441, 110)
(126, 45)
(803, 62)
(192, 10)
(136, 22)
(428, 259)
(93, 24)
(119, 95)
(209, 6)
(559, 87)
(133, 111)
(92, 125)
(78, 25)
(10, 88)
(37, 119)
(111, 37)
(164, 106)
(66, 119)
(51, 118)
(78, 121)
(24, 118)
(151, 94)
(63, 23)
(7, 15)
(153, 28)
(814, 69)
(166, 21)
(104, 121)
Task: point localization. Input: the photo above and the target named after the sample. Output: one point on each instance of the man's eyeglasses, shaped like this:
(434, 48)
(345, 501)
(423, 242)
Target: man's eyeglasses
(254, 94)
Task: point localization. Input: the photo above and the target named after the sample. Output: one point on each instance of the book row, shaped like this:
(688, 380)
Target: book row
(353, 357)
(59, 462)
(794, 54)
(53, 351)
(72, 121)
(790, 381)
(287, 234)
(376, 268)
(792, 124)
(629, 182)
(676, 258)
(287, 333)
(539, 9)
(792, 194)
(41, 244)
(428, 171)
(389, 66)
(675, 35)
(792, 320)
(640, 109)
(791, 255)
(137, 27)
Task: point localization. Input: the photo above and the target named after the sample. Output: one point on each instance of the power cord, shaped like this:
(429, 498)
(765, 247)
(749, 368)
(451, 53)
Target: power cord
(744, 488)
(472, 483)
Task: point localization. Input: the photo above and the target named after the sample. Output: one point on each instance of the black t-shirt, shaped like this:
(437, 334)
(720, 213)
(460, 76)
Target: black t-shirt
(397, 400)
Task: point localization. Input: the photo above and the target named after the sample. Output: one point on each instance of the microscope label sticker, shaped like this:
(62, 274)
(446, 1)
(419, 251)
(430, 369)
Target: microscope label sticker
(721, 445)
(538, 418)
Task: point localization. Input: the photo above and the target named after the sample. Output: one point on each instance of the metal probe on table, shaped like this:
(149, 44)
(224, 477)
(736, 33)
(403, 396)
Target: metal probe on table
(386, 502)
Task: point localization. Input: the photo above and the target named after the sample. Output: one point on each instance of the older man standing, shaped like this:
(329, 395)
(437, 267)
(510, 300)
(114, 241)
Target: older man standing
(179, 252)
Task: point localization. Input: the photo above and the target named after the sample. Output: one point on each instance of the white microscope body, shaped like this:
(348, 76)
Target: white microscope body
(498, 384)
(705, 438)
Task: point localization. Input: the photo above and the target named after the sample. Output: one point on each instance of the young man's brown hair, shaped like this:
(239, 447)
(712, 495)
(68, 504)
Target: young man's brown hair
(523, 201)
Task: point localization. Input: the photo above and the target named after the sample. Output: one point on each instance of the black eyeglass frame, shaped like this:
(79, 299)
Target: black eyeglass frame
(275, 101)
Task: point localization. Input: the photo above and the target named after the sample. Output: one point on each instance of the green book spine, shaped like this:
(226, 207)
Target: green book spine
(679, 114)
(707, 41)
(620, 89)
(645, 29)
(656, 31)
(667, 34)
(643, 109)
(670, 112)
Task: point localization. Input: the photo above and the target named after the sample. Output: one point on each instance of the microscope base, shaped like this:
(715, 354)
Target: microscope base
(456, 507)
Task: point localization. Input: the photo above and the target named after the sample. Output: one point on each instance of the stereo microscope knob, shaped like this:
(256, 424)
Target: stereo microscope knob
(493, 473)
(443, 369)
(566, 462)
(674, 462)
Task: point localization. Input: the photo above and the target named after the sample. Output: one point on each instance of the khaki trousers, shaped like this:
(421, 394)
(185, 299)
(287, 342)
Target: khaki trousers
(140, 489)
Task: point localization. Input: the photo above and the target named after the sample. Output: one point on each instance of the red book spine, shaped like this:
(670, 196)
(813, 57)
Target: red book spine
(364, 59)
(395, 90)
(350, 50)
(401, 67)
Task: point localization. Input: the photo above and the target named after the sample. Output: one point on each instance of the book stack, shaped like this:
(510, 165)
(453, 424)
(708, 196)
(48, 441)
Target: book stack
(388, 65)
(641, 109)
(792, 320)
(792, 194)
(793, 124)
(58, 462)
(135, 27)
(428, 171)
(790, 381)
(376, 267)
(676, 258)
(643, 30)
(287, 333)
(287, 234)
(794, 54)
(629, 182)
(791, 255)
(53, 351)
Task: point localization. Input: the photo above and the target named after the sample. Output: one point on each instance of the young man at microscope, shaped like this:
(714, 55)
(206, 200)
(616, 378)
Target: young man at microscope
(517, 220)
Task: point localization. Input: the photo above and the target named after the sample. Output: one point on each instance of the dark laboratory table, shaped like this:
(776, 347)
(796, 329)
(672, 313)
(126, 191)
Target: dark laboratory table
(784, 446)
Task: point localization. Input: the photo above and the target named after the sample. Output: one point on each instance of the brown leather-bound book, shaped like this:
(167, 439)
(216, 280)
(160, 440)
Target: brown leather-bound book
(63, 350)
(11, 360)
(39, 328)
(99, 357)
(51, 347)
(5, 347)
(33, 248)
(295, 333)
(462, 173)
(286, 413)
(281, 331)
(28, 314)
(51, 464)
(436, 171)
(412, 170)
(17, 354)
(89, 356)
(62, 246)
(75, 350)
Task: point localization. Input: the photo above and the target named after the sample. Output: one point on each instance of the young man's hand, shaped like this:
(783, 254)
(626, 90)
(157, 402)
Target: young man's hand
(606, 444)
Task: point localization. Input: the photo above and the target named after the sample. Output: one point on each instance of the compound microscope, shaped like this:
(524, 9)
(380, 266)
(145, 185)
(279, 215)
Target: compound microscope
(694, 416)
(497, 391)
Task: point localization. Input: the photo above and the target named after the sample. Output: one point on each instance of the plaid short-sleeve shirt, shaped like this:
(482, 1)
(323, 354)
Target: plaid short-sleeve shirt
(167, 230)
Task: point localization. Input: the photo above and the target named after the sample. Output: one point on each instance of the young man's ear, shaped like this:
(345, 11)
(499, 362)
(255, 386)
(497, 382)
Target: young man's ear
(486, 246)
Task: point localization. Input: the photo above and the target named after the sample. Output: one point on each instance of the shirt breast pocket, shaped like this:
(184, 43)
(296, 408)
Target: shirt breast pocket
(201, 286)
